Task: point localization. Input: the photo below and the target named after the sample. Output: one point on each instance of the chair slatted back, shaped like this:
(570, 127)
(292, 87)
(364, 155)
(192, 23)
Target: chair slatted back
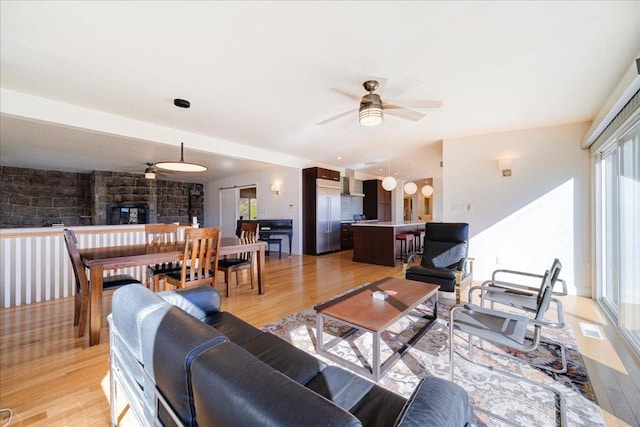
(82, 283)
(248, 236)
(161, 233)
(200, 257)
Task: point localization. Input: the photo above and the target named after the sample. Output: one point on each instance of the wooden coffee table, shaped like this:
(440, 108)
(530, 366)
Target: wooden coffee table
(361, 311)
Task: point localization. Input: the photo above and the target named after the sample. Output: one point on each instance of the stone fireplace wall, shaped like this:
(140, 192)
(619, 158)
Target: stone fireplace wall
(168, 201)
(39, 198)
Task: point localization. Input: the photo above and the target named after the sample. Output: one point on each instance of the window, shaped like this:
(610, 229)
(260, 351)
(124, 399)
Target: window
(248, 204)
(618, 232)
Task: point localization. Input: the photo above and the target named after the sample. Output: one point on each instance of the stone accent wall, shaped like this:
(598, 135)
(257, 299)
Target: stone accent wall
(39, 198)
(120, 187)
(180, 201)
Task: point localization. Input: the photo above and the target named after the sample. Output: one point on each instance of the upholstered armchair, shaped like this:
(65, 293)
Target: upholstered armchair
(444, 259)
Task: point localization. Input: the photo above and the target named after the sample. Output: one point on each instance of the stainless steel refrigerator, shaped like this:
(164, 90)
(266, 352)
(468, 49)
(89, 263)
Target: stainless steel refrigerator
(328, 215)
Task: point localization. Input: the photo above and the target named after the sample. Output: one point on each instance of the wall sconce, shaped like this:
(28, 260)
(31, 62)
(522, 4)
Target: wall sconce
(275, 189)
(505, 166)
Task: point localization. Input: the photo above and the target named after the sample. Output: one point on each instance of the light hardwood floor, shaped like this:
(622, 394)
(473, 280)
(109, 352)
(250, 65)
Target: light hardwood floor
(50, 377)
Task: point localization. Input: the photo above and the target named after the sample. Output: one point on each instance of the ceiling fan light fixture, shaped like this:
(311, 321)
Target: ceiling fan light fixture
(149, 173)
(181, 166)
(370, 115)
(370, 112)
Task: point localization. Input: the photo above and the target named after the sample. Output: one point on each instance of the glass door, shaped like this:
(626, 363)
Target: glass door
(618, 236)
(629, 224)
(608, 250)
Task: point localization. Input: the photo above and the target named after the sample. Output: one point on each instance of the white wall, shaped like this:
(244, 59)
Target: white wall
(270, 206)
(524, 221)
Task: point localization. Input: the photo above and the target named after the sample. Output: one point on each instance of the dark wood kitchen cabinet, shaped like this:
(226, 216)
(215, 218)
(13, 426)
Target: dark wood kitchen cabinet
(346, 236)
(323, 173)
(377, 200)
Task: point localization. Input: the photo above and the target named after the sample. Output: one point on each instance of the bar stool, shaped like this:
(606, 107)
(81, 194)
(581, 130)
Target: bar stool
(404, 239)
(418, 240)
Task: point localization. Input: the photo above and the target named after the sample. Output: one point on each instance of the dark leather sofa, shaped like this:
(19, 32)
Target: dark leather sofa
(179, 360)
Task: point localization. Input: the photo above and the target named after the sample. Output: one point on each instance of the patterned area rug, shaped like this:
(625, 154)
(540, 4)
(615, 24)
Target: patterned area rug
(491, 392)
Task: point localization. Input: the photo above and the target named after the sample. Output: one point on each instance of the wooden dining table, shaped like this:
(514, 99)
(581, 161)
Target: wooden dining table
(99, 260)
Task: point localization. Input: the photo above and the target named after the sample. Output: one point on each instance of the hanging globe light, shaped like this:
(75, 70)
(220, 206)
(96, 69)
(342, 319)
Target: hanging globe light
(427, 190)
(389, 183)
(410, 188)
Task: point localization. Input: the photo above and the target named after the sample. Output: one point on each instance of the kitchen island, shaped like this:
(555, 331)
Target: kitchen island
(375, 242)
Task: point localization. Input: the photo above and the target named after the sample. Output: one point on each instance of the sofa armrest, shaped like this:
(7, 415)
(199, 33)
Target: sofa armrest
(198, 301)
(437, 402)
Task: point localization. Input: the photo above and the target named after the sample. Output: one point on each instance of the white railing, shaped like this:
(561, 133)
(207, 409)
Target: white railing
(35, 265)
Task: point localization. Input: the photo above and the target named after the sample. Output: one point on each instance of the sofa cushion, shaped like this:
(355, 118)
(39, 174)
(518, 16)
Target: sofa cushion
(284, 357)
(176, 339)
(437, 402)
(232, 387)
(446, 279)
(237, 330)
(370, 403)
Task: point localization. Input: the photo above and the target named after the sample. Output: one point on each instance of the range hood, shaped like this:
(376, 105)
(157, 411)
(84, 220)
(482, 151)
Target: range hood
(349, 185)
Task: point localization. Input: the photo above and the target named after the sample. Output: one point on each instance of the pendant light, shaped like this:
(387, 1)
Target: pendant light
(181, 166)
(389, 182)
(410, 188)
(427, 190)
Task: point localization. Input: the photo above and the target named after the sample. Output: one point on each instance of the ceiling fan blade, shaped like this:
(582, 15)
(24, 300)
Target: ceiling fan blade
(403, 86)
(347, 94)
(403, 113)
(346, 113)
(415, 103)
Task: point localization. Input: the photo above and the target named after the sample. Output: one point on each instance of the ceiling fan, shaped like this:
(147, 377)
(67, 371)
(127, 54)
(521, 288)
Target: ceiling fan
(151, 172)
(370, 111)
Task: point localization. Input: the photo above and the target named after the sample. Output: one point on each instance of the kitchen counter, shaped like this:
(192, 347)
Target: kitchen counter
(376, 223)
(375, 242)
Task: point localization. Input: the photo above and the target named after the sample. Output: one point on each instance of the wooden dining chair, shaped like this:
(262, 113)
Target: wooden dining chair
(161, 234)
(81, 302)
(242, 261)
(199, 260)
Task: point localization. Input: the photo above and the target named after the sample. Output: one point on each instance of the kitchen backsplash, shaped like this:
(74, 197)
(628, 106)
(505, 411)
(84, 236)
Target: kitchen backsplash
(350, 205)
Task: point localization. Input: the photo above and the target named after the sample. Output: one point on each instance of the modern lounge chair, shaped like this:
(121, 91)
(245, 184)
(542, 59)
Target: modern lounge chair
(505, 329)
(505, 291)
(444, 259)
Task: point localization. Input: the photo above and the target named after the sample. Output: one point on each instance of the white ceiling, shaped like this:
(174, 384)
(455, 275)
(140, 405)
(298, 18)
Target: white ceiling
(90, 85)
